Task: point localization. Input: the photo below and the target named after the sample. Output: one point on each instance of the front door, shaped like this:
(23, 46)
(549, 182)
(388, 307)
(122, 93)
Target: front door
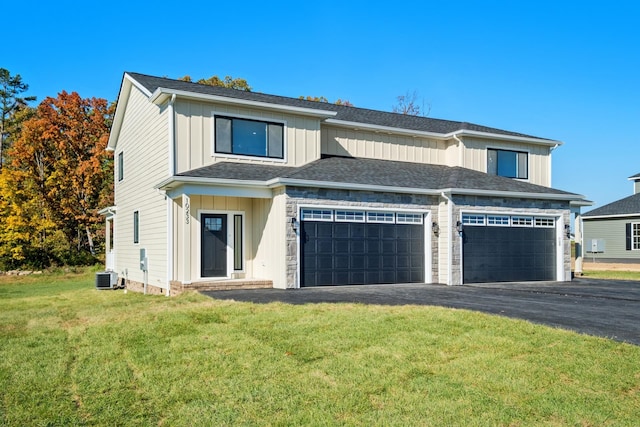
(214, 245)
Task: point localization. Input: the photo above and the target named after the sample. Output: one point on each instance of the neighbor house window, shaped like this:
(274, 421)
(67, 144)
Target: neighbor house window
(120, 166)
(635, 230)
(249, 137)
(136, 227)
(510, 164)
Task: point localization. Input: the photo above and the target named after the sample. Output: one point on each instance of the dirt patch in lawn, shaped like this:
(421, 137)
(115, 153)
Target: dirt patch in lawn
(607, 266)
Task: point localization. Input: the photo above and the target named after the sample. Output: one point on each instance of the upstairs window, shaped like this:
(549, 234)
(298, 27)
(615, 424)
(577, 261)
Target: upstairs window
(249, 137)
(510, 164)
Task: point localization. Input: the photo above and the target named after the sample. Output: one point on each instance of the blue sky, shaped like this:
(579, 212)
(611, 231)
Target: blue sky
(564, 70)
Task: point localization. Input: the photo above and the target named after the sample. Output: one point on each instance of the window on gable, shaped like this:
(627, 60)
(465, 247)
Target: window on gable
(249, 137)
(120, 166)
(510, 164)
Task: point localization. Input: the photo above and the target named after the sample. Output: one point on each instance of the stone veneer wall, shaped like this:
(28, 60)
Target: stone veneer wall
(353, 199)
(502, 204)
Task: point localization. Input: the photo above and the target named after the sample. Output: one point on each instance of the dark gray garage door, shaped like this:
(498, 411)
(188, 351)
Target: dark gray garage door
(341, 253)
(508, 254)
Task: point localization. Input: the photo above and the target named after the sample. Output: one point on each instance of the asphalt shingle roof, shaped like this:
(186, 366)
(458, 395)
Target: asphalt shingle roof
(627, 206)
(344, 113)
(635, 176)
(388, 173)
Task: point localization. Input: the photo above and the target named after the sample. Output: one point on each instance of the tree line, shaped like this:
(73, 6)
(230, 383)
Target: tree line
(55, 172)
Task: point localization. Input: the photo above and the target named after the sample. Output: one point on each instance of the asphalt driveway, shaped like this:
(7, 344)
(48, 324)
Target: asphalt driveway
(605, 308)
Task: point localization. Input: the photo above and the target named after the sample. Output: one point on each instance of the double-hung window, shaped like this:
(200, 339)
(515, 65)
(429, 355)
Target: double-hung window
(246, 137)
(510, 164)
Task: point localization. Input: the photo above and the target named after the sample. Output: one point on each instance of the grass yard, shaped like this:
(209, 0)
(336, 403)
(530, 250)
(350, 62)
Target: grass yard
(72, 355)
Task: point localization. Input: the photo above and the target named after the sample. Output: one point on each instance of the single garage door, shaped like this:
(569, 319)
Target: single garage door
(361, 248)
(501, 248)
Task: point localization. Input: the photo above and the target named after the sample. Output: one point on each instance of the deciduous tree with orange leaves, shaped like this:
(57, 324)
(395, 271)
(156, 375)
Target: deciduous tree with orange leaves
(59, 173)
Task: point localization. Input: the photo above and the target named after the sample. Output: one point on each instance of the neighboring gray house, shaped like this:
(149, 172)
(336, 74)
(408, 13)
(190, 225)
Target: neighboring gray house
(612, 232)
(216, 187)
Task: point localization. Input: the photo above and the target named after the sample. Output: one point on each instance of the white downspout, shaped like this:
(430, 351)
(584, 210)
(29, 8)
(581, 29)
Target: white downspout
(449, 237)
(460, 151)
(550, 160)
(172, 172)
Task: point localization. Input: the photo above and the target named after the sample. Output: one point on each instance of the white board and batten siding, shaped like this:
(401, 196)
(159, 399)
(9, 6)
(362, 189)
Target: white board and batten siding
(338, 141)
(143, 141)
(195, 135)
(475, 157)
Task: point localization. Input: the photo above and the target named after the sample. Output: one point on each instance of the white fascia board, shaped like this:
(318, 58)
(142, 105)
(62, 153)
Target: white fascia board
(160, 95)
(587, 218)
(221, 190)
(525, 139)
(385, 129)
(178, 185)
(513, 194)
(123, 99)
(349, 186)
(107, 211)
(439, 136)
(581, 203)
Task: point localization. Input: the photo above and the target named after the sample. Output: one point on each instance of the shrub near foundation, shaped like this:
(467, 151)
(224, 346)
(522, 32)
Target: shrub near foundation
(73, 355)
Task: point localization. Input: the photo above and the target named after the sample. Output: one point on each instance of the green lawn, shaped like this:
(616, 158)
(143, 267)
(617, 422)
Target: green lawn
(612, 274)
(72, 355)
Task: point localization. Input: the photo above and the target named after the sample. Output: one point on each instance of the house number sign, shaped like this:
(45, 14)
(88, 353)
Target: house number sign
(187, 211)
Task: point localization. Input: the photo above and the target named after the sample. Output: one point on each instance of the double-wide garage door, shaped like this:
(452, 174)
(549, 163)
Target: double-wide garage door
(342, 252)
(508, 249)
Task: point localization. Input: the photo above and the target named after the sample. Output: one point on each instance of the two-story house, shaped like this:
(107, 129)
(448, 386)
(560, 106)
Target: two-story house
(220, 186)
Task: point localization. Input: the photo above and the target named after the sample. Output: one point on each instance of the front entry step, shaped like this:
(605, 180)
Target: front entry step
(223, 285)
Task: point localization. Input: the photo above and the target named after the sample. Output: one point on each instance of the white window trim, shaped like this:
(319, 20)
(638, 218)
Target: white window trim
(498, 224)
(322, 218)
(215, 113)
(544, 218)
(415, 215)
(230, 243)
(378, 221)
(633, 243)
(477, 217)
(526, 218)
(349, 212)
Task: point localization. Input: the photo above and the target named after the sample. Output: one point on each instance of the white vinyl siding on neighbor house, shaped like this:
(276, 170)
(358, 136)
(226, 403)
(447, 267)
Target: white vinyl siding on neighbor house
(144, 129)
(340, 141)
(195, 135)
(614, 233)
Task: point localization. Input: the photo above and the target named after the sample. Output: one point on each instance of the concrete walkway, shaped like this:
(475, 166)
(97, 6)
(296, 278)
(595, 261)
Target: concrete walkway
(605, 308)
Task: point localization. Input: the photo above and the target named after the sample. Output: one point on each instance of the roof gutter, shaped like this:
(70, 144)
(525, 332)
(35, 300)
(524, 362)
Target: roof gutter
(438, 136)
(176, 181)
(160, 95)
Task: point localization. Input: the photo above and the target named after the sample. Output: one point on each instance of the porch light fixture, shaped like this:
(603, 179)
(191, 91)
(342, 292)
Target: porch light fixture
(459, 227)
(294, 223)
(435, 228)
(567, 230)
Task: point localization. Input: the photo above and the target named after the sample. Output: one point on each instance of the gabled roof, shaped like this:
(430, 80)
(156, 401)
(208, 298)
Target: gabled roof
(635, 177)
(370, 174)
(158, 89)
(629, 206)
